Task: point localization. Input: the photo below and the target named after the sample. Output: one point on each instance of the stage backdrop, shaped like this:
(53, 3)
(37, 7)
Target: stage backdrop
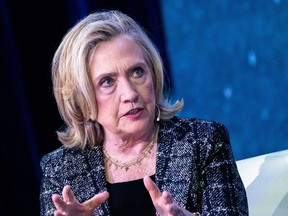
(229, 62)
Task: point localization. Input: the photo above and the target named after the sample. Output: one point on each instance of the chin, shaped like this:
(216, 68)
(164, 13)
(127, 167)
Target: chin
(139, 126)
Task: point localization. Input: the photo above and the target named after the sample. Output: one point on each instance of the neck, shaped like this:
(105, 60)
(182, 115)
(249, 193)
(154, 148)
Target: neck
(129, 144)
(127, 166)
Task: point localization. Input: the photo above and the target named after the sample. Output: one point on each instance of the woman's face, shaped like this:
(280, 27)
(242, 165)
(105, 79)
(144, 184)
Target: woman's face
(124, 87)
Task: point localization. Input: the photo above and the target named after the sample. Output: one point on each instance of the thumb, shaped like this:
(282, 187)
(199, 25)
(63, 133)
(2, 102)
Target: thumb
(97, 200)
(152, 188)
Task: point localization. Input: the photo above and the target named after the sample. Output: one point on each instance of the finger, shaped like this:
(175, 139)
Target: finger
(58, 213)
(174, 209)
(167, 197)
(58, 202)
(97, 200)
(67, 193)
(152, 188)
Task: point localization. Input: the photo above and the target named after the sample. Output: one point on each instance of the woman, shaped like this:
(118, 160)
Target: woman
(124, 151)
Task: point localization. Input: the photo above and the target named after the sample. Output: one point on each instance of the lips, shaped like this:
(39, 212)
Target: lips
(134, 113)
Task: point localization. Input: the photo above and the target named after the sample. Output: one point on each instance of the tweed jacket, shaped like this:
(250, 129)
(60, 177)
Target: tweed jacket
(194, 163)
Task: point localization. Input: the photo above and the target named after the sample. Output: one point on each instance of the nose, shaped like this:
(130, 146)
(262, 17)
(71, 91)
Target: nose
(128, 91)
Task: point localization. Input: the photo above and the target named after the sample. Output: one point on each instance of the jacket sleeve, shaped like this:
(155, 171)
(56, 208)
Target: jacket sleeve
(223, 192)
(51, 183)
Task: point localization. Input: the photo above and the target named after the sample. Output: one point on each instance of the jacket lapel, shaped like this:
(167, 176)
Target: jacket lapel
(95, 162)
(174, 160)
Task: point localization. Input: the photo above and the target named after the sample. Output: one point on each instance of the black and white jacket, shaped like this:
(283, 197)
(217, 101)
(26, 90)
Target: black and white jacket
(195, 164)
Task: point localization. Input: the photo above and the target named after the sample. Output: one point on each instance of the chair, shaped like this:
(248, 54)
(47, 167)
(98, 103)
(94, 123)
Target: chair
(265, 178)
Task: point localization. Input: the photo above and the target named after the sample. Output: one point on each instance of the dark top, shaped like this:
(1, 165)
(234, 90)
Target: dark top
(130, 199)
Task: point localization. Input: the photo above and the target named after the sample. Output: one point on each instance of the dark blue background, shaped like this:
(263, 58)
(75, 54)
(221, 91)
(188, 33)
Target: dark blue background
(229, 62)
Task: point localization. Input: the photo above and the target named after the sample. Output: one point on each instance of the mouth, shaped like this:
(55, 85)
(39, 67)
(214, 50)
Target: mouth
(134, 113)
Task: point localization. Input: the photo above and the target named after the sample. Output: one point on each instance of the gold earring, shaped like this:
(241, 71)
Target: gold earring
(158, 114)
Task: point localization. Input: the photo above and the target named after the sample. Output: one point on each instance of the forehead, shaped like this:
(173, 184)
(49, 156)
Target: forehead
(118, 46)
(121, 50)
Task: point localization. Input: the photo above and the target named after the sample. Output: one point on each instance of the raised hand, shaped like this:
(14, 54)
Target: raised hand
(163, 201)
(68, 205)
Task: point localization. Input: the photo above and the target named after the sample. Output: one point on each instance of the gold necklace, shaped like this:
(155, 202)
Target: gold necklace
(126, 165)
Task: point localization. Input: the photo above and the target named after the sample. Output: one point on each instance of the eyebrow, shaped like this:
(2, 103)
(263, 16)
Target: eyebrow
(138, 64)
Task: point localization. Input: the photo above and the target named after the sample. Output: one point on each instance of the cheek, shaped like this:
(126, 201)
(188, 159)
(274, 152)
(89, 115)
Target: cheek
(148, 93)
(105, 113)
(103, 106)
(107, 106)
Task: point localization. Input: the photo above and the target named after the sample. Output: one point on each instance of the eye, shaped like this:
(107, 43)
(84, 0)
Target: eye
(106, 82)
(137, 72)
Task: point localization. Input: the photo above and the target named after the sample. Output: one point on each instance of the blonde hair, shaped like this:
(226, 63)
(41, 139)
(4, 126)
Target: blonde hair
(72, 86)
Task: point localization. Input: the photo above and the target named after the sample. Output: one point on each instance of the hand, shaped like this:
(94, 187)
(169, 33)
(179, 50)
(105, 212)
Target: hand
(69, 206)
(163, 202)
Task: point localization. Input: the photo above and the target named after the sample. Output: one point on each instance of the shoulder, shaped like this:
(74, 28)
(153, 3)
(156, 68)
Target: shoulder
(60, 157)
(195, 126)
(55, 155)
(54, 159)
(206, 138)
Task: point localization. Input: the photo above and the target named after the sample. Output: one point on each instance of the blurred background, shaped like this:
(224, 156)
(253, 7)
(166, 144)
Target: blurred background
(228, 60)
